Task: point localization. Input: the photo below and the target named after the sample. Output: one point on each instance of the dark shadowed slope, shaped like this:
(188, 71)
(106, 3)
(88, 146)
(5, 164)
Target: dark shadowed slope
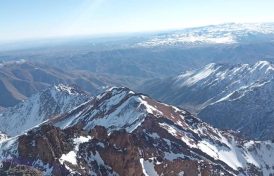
(238, 97)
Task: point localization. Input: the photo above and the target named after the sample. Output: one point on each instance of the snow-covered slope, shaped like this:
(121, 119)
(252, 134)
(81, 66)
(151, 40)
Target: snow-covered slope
(226, 94)
(220, 80)
(115, 109)
(201, 87)
(40, 107)
(146, 137)
(249, 110)
(120, 108)
(215, 34)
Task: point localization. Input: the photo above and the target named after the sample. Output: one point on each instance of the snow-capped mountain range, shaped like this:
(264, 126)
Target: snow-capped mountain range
(40, 107)
(223, 94)
(229, 33)
(146, 137)
(249, 110)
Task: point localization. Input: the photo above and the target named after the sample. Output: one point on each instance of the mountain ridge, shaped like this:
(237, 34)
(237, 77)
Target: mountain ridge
(222, 34)
(20, 79)
(198, 90)
(40, 107)
(142, 133)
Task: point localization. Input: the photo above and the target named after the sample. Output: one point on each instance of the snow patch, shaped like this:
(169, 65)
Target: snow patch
(71, 156)
(148, 168)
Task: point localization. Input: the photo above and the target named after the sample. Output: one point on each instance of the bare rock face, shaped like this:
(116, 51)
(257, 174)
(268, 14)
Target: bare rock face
(122, 153)
(119, 151)
(47, 144)
(99, 132)
(9, 168)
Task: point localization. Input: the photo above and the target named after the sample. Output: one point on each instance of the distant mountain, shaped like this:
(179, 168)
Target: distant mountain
(229, 33)
(21, 79)
(41, 107)
(146, 137)
(249, 110)
(238, 97)
(133, 59)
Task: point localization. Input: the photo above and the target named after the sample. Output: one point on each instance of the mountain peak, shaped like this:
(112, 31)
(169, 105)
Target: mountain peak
(116, 90)
(214, 72)
(40, 107)
(231, 91)
(117, 108)
(266, 65)
(69, 89)
(226, 34)
(131, 127)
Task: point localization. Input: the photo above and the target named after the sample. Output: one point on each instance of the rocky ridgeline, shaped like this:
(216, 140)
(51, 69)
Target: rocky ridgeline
(121, 132)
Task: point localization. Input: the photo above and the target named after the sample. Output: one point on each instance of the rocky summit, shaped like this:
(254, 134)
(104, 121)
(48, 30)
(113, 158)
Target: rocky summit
(121, 132)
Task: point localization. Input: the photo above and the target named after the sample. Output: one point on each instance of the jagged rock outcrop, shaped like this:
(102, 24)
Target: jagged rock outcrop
(10, 168)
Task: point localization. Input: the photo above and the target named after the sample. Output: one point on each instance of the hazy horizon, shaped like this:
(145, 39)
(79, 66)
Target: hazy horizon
(38, 19)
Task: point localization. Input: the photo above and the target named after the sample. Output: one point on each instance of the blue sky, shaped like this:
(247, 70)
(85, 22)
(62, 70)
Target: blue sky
(30, 19)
